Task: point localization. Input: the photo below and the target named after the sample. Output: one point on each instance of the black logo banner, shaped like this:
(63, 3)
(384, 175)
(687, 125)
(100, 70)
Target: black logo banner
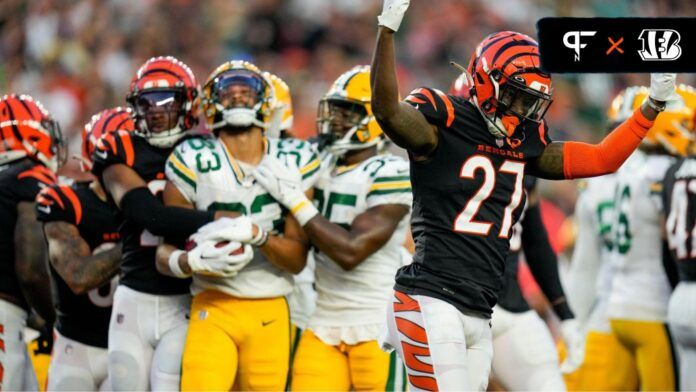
(617, 44)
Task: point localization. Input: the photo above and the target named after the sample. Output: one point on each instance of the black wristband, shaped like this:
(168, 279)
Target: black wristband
(562, 309)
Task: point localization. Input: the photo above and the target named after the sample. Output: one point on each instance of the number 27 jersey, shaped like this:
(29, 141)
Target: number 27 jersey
(466, 198)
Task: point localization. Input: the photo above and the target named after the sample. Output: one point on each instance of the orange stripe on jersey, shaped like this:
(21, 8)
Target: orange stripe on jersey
(404, 303)
(428, 95)
(127, 147)
(77, 207)
(47, 178)
(43, 200)
(54, 195)
(448, 106)
(413, 99)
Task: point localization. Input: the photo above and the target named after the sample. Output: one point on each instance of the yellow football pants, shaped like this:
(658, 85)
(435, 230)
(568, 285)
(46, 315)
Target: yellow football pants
(236, 343)
(650, 347)
(608, 366)
(360, 367)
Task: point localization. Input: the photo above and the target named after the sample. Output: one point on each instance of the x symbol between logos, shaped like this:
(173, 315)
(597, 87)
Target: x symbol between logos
(615, 45)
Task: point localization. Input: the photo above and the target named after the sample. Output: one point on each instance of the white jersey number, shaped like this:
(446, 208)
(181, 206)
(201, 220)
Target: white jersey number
(677, 233)
(465, 222)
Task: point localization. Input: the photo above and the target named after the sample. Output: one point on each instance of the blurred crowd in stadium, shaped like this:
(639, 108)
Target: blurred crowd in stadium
(77, 57)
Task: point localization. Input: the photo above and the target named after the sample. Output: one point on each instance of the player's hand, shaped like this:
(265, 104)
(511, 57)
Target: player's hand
(662, 86)
(207, 258)
(575, 345)
(392, 13)
(285, 185)
(240, 229)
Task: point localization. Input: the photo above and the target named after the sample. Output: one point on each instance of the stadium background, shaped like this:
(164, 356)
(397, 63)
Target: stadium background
(78, 57)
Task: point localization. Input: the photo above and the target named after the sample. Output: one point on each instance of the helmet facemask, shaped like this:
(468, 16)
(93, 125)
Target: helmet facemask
(345, 125)
(516, 103)
(237, 98)
(159, 115)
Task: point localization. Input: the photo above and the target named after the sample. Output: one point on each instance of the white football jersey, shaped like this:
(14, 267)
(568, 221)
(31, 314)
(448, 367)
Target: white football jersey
(209, 177)
(640, 289)
(589, 278)
(359, 296)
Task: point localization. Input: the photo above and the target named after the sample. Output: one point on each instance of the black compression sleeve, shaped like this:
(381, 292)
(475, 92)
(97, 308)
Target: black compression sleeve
(142, 207)
(670, 265)
(542, 261)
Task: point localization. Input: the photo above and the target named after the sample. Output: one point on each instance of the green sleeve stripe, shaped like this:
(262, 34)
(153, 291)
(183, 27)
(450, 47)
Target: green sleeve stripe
(182, 176)
(311, 172)
(180, 158)
(392, 179)
(379, 192)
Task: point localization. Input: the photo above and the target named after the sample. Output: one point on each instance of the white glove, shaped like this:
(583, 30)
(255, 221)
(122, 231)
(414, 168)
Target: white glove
(207, 259)
(238, 229)
(392, 13)
(575, 345)
(285, 185)
(662, 86)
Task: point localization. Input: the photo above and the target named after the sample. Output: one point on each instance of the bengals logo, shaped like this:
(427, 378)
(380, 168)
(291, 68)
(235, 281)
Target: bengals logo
(660, 45)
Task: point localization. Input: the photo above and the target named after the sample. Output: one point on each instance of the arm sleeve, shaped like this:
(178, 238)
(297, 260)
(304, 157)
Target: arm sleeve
(142, 207)
(585, 262)
(542, 261)
(588, 160)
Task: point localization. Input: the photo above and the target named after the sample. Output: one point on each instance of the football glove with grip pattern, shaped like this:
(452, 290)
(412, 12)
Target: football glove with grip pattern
(285, 185)
(392, 13)
(662, 86)
(238, 229)
(215, 258)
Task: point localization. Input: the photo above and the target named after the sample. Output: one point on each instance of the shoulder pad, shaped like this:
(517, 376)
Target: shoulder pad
(436, 106)
(58, 203)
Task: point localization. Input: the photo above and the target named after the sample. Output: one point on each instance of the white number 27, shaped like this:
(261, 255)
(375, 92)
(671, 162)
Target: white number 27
(465, 222)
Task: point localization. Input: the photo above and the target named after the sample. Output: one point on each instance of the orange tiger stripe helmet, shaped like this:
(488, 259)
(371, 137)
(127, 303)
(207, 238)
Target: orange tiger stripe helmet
(509, 86)
(164, 99)
(106, 121)
(28, 130)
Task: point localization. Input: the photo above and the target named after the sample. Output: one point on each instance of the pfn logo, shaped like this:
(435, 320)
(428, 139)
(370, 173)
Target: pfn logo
(660, 45)
(575, 44)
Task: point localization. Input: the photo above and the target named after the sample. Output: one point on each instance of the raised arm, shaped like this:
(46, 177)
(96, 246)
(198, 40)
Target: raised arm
(568, 160)
(404, 124)
(72, 259)
(30, 262)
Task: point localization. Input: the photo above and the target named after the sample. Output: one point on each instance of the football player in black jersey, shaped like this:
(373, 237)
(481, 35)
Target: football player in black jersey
(81, 229)
(468, 160)
(526, 356)
(30, 152)
(148, 320)
(679, 198)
